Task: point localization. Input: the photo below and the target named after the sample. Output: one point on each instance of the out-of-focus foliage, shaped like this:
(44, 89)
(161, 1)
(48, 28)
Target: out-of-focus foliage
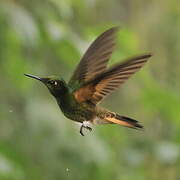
(46, 37)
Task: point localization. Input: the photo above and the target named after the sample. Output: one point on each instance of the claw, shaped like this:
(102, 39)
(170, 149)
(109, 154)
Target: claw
(83, 126)
(89, 128)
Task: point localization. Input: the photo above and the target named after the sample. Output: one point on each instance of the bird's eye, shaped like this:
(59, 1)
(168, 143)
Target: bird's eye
(52, 82)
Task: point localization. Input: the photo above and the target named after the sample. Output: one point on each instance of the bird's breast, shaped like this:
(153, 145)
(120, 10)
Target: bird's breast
(76, 111)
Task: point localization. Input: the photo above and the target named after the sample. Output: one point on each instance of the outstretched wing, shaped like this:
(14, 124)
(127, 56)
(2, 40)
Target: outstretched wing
(95, 90)
(95, 59)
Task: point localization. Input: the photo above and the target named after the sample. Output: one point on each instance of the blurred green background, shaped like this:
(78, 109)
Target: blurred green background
(48, 37)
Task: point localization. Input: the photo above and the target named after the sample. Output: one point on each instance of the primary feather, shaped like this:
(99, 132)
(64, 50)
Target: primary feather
(95, 59)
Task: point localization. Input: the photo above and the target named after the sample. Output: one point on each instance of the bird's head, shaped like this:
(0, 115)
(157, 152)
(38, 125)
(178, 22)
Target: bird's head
(56, 86)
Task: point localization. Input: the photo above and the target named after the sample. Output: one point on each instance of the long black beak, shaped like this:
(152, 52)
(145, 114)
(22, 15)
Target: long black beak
(34, 77)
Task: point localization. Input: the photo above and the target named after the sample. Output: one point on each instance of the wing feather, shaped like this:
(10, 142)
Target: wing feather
(112, 78)
(95, 59)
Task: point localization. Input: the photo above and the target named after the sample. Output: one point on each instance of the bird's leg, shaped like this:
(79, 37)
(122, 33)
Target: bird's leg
(81, 129)
(84, 126)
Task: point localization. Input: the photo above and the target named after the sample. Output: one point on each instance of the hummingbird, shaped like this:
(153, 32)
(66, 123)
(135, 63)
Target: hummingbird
(92, 81)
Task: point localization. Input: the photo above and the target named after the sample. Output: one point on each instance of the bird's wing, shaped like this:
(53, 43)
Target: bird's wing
(95, 59)
(95, 90)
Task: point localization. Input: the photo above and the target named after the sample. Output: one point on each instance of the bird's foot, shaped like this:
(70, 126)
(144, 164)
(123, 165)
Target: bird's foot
(86, 127)
(89, 128)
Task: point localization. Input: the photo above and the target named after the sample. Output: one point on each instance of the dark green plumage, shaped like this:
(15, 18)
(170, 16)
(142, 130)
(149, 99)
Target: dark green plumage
(91, 82)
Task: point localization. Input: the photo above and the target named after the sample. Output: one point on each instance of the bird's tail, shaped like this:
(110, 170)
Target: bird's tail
(122, 120)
